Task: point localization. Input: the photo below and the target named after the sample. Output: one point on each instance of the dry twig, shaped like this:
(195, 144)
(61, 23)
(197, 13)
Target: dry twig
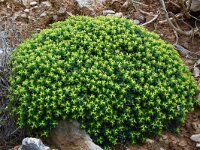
(187, 33)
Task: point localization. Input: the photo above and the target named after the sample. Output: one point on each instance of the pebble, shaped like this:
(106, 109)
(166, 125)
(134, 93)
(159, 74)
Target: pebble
(142, 19)
(44, 14)
(149, 141)
(195, 138)
(198, 145)
(46, 4)
(23, 15)
(119, 14)
(55, 17)
(26, 10)
(106, 12)
(135, 21)
(182, 143)
(62, 10)
(195, 126)
(34, 3)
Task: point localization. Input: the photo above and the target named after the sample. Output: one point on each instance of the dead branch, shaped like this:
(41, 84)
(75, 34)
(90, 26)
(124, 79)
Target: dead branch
(179, 15)
(185, 9)
(139, 3)
(150, 21)
(187, 33)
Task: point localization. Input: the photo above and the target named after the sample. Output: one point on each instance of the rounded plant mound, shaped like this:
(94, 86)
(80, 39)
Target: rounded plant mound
(120, 81)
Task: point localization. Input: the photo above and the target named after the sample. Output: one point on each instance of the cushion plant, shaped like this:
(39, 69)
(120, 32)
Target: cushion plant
(120, 81)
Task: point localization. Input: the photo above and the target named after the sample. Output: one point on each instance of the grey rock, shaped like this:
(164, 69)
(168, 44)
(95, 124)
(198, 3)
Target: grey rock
(195, 138)
(20, 16)
(46, 4)
(195, 6)
(108, 12)
(88, 3)
(25, 2)
(62, 10)
(33, 144)
(44, 14)
(135, 21)
(84, 3)
(68, 135)
(55, 17)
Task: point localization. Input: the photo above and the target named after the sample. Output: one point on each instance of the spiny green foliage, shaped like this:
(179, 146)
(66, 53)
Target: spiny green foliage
(120, 81)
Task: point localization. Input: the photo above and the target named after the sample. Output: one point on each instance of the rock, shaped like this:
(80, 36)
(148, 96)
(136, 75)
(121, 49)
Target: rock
(20, 16)
(149, 141)
(198, 145)
(119, 14)
(196, 72)
(107, 12)
(195, 6)
(26, 10)
(34, 3)
(69, 136)
(33, 144)
(55, 17)
(62, 11)
(135, 21)
(140, 17)
(88, 3)
(44, 14)
(46, 4)
(182, 143)
(1, 1)
(25, 2)
(195, 138)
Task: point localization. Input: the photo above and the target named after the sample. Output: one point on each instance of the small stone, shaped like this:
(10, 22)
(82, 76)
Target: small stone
(186, 45)
(1, 1)
(55, 17)
(34, 3)
(195, 126)
(164, 137)
(33, 144)
(149, 141)
(44, 14)
(135, 21)
(198, 145)
(26, 10)
(162, 148)
(46, 4)
(107, 12)
(195, 138)
(35, 7)
(182, 143)
(62, 10)
(119, 14)
(23, 15)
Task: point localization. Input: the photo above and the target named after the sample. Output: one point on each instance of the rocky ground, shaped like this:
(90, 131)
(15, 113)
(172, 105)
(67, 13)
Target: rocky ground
(19, 19)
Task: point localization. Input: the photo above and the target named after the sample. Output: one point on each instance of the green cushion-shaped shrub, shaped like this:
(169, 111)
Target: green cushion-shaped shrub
(120, 81)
